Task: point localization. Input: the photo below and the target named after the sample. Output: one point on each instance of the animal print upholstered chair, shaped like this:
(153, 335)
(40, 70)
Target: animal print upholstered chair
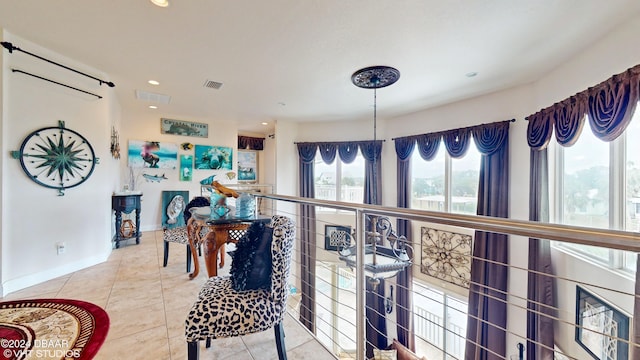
(180, 234)
(231, 305)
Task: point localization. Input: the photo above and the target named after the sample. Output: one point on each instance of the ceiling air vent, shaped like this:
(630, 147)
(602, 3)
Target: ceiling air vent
(212, 84)
(152, 97)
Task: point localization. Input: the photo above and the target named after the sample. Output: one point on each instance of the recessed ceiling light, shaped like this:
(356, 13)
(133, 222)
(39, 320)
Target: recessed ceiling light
(153, 82)
(471, 74)
(152, 107)
(161, 3)
(265, 123)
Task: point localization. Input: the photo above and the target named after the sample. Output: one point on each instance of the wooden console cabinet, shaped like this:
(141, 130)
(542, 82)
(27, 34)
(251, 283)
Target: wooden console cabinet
(126, 203)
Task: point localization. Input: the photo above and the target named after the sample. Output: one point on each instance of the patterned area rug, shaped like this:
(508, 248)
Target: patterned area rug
(51, 329)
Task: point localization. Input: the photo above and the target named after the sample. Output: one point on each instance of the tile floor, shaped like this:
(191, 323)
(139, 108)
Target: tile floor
(147, 305)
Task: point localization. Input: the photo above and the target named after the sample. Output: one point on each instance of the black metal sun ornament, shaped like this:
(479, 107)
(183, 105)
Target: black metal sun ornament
(57, 158)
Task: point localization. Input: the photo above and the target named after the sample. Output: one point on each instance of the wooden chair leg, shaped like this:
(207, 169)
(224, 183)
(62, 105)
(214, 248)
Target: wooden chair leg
(193, 350)
(279, 332)
(207, 343)
(188, 258)
(166, 253)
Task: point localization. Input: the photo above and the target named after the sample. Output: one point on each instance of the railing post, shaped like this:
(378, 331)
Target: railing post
(361, 314)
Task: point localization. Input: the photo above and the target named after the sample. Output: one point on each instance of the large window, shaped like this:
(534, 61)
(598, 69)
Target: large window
(598, 185)
(440, 323)
(339, 181)
(444, 183)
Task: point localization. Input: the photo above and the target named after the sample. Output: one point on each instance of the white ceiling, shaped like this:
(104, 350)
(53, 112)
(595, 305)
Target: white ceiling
(293, 59)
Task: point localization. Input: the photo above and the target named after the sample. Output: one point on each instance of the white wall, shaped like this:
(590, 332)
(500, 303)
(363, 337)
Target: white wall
(34, 218)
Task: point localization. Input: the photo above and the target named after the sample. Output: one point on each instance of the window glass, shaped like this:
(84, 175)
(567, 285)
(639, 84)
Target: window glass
(440, 323)
(632, 191)
(428, 181)
(352, 181)
(585, 187)
(339, 181)
(325, 179)
(465, 175)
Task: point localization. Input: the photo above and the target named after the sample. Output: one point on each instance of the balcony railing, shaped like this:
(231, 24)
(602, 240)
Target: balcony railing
(584, 289)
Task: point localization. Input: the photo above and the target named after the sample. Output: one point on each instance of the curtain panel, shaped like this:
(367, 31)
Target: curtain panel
(487, 308)
(306, 155)
(404, 279)
(250, 143)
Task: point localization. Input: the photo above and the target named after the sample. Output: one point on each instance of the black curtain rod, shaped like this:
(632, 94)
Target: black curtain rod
(55, 82)
(337, 142)
(9, 46)
(466, 127)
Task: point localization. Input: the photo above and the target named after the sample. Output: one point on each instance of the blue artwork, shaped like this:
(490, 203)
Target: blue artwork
(213, 157)
(152, 154)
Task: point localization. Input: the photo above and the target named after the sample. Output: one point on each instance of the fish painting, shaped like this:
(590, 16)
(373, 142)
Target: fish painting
(154, 178)
(208, 181)
(231, 175)
(175, 209)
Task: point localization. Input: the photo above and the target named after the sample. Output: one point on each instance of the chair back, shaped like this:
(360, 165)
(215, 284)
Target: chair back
(281, 254)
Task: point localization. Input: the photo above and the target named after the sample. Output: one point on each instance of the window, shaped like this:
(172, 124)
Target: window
(339, 181)
(599, 186)
(440, 323)
(446, 184)
(335, 309)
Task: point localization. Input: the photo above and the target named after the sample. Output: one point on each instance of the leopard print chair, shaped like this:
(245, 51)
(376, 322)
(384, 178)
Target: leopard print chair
(180, 235)
(221, 312)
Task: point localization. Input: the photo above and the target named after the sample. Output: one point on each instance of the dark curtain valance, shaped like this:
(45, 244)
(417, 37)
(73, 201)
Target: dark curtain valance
(346, 150)
(610, 106)
(489, 138)
(250, 143)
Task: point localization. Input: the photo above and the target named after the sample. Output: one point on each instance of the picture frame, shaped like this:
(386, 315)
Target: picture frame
(184, 128)
(600, 326)
(173, 205)
(152, 155)
(247, 166)
(213, 157)
(331, 241)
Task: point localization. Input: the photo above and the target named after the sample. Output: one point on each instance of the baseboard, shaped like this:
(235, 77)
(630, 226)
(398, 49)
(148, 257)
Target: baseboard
(40, 277)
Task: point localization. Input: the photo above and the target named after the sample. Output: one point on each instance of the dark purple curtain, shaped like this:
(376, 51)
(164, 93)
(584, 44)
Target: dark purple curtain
(307, 153)
(327, 152)
(348, 151)
(541, 288)
(376, 317)
(371, 151)
(487, 312)
(456, 141)
(428, 145)
(610, 106)
(404, 279)
(251, 143)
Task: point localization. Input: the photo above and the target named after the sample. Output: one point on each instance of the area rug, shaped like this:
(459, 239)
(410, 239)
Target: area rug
(51, 329)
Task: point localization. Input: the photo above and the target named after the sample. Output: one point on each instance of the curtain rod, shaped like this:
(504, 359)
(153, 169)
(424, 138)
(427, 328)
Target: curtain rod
(335, 142)
(9, 46)
(466, 127)
(55, 82)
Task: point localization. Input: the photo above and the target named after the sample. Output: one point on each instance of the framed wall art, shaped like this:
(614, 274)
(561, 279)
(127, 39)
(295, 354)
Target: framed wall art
(152, 154)
(601, 329)
(213, 157)
(173, 205)
(186, 167)
(185, 128)
(334, 236)
(247, 166)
